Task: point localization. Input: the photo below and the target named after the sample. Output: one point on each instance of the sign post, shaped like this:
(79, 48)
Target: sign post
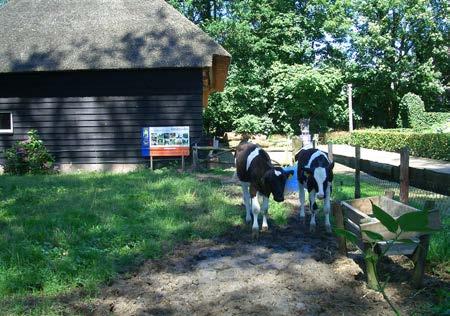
(166, 141)
(350, 108)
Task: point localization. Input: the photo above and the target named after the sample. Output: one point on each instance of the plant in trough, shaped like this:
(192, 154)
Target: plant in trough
(408, 222)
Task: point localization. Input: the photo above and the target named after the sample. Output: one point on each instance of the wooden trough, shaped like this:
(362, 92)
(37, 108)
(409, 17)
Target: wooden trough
(356, 216)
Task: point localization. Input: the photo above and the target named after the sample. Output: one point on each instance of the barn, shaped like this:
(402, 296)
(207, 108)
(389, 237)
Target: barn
(88, 75)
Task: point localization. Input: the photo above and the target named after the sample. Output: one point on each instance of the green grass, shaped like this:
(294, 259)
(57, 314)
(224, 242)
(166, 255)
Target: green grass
(63, 233)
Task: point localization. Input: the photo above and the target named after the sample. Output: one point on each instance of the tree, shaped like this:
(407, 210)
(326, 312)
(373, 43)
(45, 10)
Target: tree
(397, 47)
(386, 48)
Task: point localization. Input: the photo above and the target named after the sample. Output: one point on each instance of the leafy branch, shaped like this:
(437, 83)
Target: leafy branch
(408, 222)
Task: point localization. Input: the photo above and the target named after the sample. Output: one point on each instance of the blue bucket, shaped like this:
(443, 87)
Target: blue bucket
(292, 182)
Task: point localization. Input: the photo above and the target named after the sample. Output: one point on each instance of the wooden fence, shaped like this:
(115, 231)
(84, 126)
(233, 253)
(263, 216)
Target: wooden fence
(404, 174)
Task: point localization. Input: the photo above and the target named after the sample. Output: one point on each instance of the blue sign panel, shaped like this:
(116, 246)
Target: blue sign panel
(145, 142)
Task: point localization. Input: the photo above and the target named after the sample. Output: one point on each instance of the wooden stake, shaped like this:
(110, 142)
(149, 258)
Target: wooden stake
(339, 222)
(350, 109)
(357, 172)
(370, 267)
(330, 151)
(419, 263)
(194, 157)
(420, 254)
(315, 140)
(182, 163)
(151, 162)
(404, 175)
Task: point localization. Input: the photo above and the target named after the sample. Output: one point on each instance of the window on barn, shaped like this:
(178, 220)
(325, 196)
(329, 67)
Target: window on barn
(6, 122)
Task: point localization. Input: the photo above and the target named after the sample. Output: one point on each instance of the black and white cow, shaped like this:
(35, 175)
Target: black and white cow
(315, 172)
(258, 178)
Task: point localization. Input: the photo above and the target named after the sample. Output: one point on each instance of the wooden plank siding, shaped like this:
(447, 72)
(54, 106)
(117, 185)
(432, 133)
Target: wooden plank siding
(96, 117)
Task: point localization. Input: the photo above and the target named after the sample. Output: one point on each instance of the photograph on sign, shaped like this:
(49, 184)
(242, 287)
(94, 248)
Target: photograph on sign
(169, 141)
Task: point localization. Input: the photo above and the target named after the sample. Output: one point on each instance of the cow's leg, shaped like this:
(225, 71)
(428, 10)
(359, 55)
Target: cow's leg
(302, 202)
(327, 207)
(313, 207)
(255, 210)
(247, 201)
(265, 211)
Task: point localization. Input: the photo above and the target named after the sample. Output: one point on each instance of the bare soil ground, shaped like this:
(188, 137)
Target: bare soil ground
(287, 271)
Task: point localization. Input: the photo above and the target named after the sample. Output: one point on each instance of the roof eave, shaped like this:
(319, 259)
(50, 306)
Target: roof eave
(215, 77)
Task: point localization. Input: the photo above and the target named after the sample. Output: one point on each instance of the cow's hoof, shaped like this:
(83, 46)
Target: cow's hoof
(328, 229)
(255, 233)
(248, 219)
(312, 228)
(265, 228)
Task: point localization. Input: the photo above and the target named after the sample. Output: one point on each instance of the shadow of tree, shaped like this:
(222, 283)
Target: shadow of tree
(77, 231)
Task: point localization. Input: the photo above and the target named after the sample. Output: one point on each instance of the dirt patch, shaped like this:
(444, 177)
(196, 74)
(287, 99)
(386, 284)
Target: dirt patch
(287, 271)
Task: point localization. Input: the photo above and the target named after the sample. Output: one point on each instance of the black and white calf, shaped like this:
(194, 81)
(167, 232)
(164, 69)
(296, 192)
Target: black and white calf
(258, 178)
(315, 172)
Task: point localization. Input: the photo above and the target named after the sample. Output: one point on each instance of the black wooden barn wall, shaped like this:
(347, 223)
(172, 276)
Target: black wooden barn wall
(96, 117)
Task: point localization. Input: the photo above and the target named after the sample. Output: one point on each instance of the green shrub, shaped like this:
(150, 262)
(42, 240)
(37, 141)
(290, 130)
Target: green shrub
(412, 114)
(253, 124)
(427, 145)
(28, 156)
(338, 137)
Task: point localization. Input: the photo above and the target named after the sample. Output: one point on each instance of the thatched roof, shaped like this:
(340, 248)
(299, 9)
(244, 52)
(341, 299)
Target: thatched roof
(60, 35)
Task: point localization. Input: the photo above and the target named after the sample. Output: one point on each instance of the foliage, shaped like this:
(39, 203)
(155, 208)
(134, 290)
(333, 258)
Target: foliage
(421, 144)
(28, 156)
(253, 124)
(397, 47)
(408, 222)
(412, 114)
(385, 48)
(299, 91)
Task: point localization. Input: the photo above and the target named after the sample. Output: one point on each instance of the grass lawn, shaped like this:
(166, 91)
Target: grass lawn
(66, 234)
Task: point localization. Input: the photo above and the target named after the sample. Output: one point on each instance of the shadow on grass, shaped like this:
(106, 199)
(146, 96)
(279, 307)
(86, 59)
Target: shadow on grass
(70, 233)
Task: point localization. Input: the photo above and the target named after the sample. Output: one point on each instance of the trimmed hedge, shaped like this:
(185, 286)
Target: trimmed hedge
(412, 114)
(427, 145)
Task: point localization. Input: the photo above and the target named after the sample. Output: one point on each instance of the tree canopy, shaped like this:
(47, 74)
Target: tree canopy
(293, 59)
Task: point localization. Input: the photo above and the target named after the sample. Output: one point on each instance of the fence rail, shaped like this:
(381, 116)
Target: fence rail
(424, 179)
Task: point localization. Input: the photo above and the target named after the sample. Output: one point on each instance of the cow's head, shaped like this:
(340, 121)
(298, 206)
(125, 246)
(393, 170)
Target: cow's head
(275, 179)
(319, 177)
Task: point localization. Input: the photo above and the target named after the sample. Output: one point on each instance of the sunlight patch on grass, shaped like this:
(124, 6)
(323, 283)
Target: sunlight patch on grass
(65, 232)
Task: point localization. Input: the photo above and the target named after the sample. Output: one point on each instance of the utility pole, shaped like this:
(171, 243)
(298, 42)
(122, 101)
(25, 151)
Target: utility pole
(350, 108)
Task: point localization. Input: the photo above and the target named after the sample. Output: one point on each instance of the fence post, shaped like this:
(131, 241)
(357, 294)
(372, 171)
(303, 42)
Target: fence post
(420, 254)
(194, 157)
(404, 175)
(357, 172)
(330, 151)
(339, 222)
(315, 140)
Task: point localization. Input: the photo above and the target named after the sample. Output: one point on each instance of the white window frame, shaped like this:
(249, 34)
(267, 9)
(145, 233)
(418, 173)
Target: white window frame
(11, 130)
